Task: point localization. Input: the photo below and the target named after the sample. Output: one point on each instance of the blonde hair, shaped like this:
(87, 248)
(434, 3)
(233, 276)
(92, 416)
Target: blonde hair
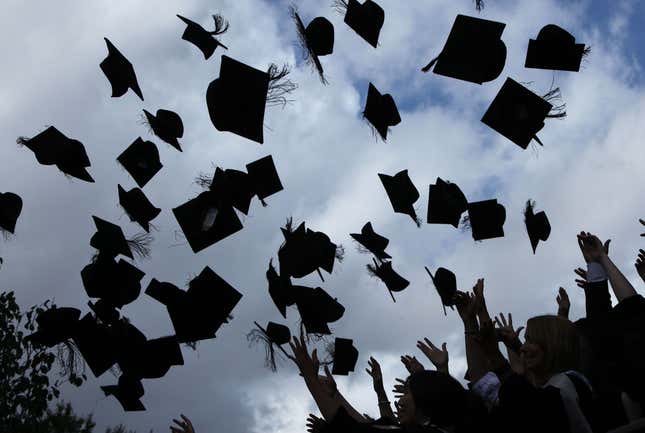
(559, 340)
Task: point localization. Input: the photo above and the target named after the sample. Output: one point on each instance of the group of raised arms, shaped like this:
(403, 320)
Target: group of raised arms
(564, 376)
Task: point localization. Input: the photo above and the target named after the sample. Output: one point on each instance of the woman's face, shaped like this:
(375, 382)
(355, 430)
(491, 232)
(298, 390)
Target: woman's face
(406, 408)
(532, 354)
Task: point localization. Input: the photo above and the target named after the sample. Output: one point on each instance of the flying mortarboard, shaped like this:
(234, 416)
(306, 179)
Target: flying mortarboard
(104, 311)
(345, 356)
(138, 207)
(202, 38)
(537, 225)
(117, 283)
(519, 114)
(55, 325)
(317, 309)
(280, 289)
(128, 392)
(402, 193)
(141, 160)
(365, 19)
(446, 203)
(474, 51)
(274, 333)
(486, 219)
(264, 177)
(150, 359)
(109, 239)
(393, 281)
(555, 48)
(380, 111)
(166, 125)
(119, 72)
(372, 241)
(96, 344)
(52, 147)
(10, 209)
(446, 284)
(232, 188)
(317, 39)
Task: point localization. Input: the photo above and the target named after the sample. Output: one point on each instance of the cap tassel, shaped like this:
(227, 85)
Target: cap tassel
(374, 272)
(479, 5)
(586, 51)
(221, 26)
(279, 85)
(140, 244)
(21, 141)
(320, 274)
(340, 6)
(535, 137)
(558, 111)
(308, 54)
(204, 181)
(429, 66)
(71, 364)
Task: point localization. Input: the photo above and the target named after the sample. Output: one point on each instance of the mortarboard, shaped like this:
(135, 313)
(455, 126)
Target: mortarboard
(317, 39)
(445, 282)
(517, 113)
(96, 344)
(128, 391)
(232, 188)
(150, 359)
(474, 51)
(345, 356)
(237, 99)
(204, 220)
(202, 38)
(264, 177)
(109, 239)
(446, 203)
(317, 309)
(138, 207)
(274, 333)
(393, 281)
(52, 147)
(380, 111)
(280, 289)
(372, 241)
(166, 125)
(55, 325)
(486, 219)
(104, 311)
(402, 193)
(365, 19)
(117, 283)
(10, 209)
(555, 48)
(119, 72)
(141, 160)
(537, 225)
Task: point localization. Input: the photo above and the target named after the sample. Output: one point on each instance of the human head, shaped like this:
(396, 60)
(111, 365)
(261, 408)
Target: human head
(552, 346)
(431, 396)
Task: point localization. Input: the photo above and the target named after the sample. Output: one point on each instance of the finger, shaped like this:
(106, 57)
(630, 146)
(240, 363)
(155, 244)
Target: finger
(607, 246)
(497, 322)
(519, 330)
(510, 320)
(179, 423)
(641, 221)
(187, 420)
(430, 343)
(444, 348)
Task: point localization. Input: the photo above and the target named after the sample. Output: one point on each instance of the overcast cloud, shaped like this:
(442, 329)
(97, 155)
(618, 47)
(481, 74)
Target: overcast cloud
(588, 175)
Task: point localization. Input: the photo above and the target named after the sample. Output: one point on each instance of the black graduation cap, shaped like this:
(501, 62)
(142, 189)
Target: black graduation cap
(166, 125)
(55, 325)
(120, 72)
(474, 51)
(197, 313)
(52, 147)
(380, 111)
(202, 38)
(232, 188)
(486, 219)
(280, 289)
(105, 311)
(517, 113)
(537, 225)
(109, 239)
(317, 309)
(345, 356)
(141, 160)
(10, 209)
(555, 48)
(305, 251)
(138, 207)
(446, 203)
(128, 391)
(96, 344)
(148, 359)
(445, 282)
(372, 241)
(393, 281)
(237, 99)
(365, 19)
(402, 193)
(117, 283)
(317, 39)
(204, 220)
(274, 334)
(264, 177)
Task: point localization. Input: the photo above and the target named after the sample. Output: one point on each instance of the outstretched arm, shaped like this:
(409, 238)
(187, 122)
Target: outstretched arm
(384, 407)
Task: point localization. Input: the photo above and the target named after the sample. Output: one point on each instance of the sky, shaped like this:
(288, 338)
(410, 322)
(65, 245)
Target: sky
(588, 176)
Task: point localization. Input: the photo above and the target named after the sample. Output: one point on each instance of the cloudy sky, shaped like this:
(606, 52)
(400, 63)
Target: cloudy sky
(588, 175)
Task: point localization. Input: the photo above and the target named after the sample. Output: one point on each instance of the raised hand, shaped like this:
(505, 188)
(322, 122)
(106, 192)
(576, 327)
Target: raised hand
(642, 223)
(466, 306)
(184, 426)
(438, 357)
(374, 370)
(582, 282)
(592, 248)
(399, 388)
(505, 331)
(308, 365)
(315, 424)
(411, 364)
(640, 262)
(563, 303)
